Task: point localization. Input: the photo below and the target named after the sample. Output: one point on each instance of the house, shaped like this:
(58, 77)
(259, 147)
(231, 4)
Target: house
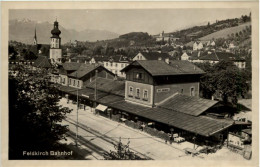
(64, 70)
(77, 75)
(185, 56)
(152, 56)
(197, 46)
(150, 82)
(98, 59)
(86, 73)
(211, 43)
(214, 57)
(232, 45)
(116, 63)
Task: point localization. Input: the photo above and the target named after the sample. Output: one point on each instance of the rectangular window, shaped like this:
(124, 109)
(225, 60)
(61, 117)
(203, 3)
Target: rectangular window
(145, 95)
(181, 91)
(106, 64)
(122, 65)
(74, 82)
(64, 80)
(115, 64)
(137, 93)
(131, 92)
(111, 64)
(69, 81)
(192, 92)
(78, 83)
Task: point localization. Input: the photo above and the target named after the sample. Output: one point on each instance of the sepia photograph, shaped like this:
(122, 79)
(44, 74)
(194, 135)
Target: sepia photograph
(131, 84)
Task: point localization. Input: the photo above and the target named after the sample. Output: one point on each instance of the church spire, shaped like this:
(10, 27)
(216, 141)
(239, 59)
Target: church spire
(35, 37)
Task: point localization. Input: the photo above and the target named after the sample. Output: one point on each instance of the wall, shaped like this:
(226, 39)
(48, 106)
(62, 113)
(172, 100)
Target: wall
(55, 78)
(55, 54)
(235, 140)
(142, 87)
(170, 89)
(78, 83)
(63, 80)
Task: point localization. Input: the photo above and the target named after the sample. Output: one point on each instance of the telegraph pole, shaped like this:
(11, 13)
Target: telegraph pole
(95, 95)
(77, 115)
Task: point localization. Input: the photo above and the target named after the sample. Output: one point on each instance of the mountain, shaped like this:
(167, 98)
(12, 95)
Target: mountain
(23, 31)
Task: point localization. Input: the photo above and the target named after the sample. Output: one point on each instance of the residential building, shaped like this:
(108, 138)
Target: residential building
(213, 57)
(77, 75)
(116, 63)
(197, 46)
(98, 59)
(152, 56)
(185, 56)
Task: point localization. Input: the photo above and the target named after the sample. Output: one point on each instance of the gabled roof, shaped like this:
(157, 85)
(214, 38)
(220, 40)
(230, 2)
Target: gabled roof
(100, 58)
(158, 68)
(119, 58)
(109, 86)
(227, 56)
(218, 56)
(42, 62)
(188, 104)
(71, 66)
(209, 56)
(202, 125)
(83, 70)
(155, 55)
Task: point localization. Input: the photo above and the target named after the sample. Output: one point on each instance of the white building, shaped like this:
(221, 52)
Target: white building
(197, 46)
(185, 56)
(116, 63)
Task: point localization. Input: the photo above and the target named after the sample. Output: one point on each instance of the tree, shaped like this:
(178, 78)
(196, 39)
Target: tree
(34, 116)
(12, 52)
(226, 79)
(122, 153)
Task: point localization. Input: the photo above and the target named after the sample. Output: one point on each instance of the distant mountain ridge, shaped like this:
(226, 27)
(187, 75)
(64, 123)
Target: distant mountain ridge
(23, 31)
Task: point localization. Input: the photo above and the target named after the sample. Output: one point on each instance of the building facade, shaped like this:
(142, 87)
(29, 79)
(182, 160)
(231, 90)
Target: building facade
(116, 63)
(147, 87)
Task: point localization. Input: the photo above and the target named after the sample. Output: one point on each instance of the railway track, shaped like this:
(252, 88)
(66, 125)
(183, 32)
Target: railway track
(104, 137)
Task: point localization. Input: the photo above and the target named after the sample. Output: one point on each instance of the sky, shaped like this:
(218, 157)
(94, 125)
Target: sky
(124, 21)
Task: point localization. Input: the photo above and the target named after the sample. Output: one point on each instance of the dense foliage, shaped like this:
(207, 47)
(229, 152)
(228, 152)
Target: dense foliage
(224, 79)
(34, 116)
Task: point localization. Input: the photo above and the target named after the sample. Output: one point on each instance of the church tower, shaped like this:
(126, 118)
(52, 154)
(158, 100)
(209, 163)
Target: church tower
(55, 49)
(35, 38)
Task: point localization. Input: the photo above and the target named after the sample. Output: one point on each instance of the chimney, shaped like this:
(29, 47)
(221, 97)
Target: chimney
(85, 61)
(78, 61)
(69, 60)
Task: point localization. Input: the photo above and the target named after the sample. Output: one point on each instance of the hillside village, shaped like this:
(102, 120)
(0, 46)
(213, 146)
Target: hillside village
(155, 83)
